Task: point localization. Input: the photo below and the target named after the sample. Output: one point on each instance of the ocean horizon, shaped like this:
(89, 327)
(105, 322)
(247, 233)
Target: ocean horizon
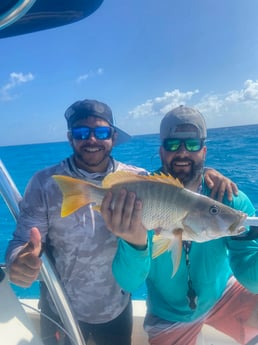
(231, 150)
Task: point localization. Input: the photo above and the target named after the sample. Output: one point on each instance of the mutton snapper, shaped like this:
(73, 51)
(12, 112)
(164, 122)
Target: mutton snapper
(178, 213)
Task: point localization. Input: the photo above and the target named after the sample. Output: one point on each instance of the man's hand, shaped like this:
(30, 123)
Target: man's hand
(124, 219)
(25, 268)
(219, 185)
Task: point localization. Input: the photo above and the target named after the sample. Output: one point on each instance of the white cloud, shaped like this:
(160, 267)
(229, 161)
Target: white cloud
(234, 106)
(90, 74)
(162, 104)
(248, 94)
(210, 103)
(82, 78)
(15, 79)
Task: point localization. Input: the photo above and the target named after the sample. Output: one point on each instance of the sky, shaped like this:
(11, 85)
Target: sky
(142, 58)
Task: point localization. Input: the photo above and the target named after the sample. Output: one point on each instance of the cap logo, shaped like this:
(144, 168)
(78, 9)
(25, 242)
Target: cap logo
(99, 108)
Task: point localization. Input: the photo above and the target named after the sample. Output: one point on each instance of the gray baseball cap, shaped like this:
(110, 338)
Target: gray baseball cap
(90, 107)
(179, 116)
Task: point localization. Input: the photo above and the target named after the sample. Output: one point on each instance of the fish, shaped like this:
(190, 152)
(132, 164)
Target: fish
(175, 213)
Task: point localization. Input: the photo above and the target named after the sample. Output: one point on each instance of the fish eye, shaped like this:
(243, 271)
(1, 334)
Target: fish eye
(214, 209)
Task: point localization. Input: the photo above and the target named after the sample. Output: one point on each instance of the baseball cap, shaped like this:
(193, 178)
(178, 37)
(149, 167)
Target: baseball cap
(179, 116)
(89, 107)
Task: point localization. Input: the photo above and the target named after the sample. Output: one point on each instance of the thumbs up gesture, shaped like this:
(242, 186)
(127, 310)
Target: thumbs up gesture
(25, 268)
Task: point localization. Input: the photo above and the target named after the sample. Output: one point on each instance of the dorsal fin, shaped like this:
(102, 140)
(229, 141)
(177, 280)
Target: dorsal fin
(120, 177)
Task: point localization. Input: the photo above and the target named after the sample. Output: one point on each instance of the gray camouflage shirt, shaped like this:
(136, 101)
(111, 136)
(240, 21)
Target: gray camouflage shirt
(83, 248)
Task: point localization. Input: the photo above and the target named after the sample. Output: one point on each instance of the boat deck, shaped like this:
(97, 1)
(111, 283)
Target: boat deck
(208, 336)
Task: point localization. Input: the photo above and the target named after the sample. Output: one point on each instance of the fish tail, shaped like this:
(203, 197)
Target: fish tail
(74, 196)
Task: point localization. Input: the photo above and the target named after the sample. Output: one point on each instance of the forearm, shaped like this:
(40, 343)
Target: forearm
(20, 238)
(131, 266)
(244, 263)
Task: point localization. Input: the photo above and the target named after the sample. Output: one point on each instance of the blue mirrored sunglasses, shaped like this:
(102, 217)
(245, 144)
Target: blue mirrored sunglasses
(100, 133)
(191, 145)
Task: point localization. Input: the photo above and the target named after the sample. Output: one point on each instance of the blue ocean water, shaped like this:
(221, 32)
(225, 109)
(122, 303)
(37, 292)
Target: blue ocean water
(231, 150)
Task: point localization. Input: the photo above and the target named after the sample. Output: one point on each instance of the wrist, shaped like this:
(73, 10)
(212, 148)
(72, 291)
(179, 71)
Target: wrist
(139, 246)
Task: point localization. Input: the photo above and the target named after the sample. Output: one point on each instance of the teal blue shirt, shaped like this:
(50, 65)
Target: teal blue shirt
(212, 264)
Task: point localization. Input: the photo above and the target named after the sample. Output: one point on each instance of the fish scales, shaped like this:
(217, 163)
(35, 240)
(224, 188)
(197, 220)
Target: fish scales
(159, 206)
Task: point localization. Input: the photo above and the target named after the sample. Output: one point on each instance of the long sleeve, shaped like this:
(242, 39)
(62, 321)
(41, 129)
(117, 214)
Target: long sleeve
(131, 266)
(243, 253)
(33, 212)
(244, 262)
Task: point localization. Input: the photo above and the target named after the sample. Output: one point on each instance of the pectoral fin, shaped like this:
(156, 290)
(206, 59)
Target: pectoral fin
(160, 245)
(174, 244)
(176, 253)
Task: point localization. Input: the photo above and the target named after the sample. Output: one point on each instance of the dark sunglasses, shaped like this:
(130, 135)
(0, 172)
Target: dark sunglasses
(191, 145)
(83, 133)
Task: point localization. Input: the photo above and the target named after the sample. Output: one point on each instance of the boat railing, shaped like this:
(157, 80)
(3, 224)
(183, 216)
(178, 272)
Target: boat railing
(48, 274)
(15, 12)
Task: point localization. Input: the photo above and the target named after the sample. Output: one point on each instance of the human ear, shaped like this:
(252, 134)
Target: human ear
(114, 138)
(69, 137)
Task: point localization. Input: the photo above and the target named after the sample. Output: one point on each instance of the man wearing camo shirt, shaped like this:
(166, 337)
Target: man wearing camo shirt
(82, 248)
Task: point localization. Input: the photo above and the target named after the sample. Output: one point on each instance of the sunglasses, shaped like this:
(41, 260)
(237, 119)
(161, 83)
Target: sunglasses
(191, 145)
(83, 133)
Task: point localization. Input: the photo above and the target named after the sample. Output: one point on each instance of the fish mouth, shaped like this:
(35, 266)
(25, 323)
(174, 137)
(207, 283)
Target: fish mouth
(237, 227)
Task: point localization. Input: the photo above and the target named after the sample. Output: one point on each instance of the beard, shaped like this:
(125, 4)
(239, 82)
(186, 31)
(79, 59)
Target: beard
(186, 176)
(93, 160)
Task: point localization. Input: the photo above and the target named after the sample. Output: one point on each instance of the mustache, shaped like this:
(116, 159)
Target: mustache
(92, 146)
(178, 159)
(196, 168)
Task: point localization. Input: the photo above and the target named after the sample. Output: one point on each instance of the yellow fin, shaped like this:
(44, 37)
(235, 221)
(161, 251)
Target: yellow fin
(174, 244)
(74, 196)
(96, 208)
(123, 177)
(176, 252)
(160, 245)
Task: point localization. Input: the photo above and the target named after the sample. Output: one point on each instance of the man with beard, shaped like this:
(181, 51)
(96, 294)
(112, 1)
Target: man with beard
(216, 282)
(183, 150)
(81, 246)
